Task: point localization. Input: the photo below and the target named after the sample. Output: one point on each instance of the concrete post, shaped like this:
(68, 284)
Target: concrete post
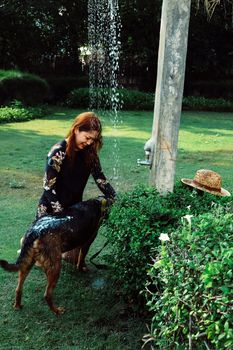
(169, 92)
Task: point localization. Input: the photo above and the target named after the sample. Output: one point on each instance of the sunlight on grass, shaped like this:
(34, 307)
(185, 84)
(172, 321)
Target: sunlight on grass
(125, 132)
(205, 140)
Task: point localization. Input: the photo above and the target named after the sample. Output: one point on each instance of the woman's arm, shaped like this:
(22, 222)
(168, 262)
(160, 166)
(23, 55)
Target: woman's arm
(53, 167)
(102, 182)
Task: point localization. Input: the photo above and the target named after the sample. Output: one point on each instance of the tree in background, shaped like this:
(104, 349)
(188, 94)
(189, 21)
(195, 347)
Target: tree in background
(210, 46)
(42, 36)
(140, 40)
(45, 37)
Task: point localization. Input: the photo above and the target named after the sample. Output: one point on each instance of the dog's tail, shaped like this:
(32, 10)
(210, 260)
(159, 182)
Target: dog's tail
(8, 266)
(24, 261)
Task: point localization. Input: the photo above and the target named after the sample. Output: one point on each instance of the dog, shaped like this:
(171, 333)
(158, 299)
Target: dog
(52, 235)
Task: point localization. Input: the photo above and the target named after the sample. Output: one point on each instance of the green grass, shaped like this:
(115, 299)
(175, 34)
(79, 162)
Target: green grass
(95, 319)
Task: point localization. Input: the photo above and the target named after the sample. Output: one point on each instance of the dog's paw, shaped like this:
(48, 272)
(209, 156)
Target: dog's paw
(59, 310)
(17, 306)
(83, 268)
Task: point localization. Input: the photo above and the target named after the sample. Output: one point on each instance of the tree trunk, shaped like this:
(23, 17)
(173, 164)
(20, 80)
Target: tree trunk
(169, 92)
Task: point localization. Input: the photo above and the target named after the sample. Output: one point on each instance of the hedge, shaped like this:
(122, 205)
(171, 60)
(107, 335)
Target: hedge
(137, 100)
(27, 88)
(61, 86)
(107, 99)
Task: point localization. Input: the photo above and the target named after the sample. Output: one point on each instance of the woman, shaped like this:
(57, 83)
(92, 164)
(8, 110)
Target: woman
(69, 165)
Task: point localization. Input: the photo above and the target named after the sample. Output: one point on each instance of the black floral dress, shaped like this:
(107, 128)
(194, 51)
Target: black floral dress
(64, 185)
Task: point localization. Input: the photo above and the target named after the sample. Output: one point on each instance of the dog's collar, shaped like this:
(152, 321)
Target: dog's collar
(103, 205)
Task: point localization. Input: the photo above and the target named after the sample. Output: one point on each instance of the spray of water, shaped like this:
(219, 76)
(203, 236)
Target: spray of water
(104, 44)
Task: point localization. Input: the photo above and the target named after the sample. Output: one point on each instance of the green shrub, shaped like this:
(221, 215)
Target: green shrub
(138, 100)
(16, 112)
(78, 98)
(27, 88)
(134, 225)
(210, 88)
(124, 99)
(61, 86)
(190, 293)
(207, 104)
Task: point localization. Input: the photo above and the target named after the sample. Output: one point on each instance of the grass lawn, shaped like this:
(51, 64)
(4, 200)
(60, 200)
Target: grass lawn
(95, 319)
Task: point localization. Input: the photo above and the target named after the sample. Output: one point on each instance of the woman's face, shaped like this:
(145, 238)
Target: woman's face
(84, 138)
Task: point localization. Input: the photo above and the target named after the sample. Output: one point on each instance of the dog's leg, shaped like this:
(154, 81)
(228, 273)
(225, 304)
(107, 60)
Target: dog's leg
(52, 272)
(81, 265)
(72, 256)
(18, 293)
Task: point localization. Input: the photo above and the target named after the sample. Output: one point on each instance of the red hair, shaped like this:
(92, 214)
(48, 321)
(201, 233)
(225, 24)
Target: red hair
(87, 121)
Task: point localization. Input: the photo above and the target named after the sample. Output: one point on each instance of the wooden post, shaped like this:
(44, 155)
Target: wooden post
(169, 92)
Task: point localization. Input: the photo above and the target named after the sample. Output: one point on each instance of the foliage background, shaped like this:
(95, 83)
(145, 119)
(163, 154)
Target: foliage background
(44, 38)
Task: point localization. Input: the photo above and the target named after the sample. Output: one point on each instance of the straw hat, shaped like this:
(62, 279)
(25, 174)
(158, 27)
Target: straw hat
(208, 181)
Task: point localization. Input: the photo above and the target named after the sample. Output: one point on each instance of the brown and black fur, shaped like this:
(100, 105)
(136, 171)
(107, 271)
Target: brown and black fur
(49, 237)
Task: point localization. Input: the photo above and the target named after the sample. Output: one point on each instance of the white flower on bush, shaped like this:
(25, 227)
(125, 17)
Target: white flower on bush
(164, 237)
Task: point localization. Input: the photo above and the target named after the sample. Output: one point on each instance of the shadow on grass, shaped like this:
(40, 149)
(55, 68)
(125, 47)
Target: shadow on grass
(94, 319)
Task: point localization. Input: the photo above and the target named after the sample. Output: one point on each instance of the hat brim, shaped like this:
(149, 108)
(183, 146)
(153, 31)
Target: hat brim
(189, 182)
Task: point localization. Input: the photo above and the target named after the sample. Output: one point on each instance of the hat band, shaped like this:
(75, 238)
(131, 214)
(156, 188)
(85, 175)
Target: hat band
(207, 187)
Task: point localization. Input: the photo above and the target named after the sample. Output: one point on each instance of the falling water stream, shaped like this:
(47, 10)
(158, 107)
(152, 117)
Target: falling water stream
(104, 44)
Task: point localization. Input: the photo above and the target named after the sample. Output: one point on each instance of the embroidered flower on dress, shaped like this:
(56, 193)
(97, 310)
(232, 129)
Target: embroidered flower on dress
(42, 210)
(56, 161)
(102, 182)
(56, 207)
(49, 183)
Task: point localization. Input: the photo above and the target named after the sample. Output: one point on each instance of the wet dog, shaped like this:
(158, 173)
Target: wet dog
(51, 236)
